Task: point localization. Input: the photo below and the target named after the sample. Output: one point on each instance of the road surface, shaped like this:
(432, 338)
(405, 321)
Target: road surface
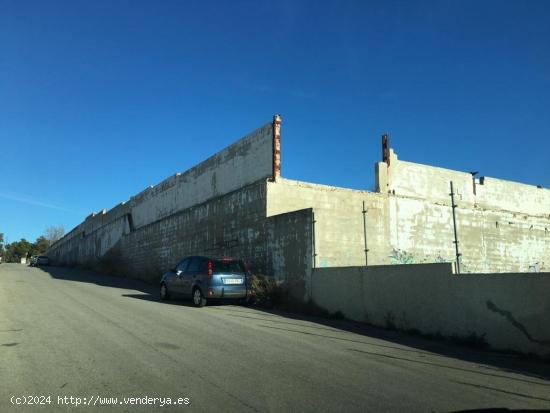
(98, 339)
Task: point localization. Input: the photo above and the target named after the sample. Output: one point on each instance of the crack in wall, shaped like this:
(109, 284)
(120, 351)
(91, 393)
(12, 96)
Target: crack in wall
(508, 316)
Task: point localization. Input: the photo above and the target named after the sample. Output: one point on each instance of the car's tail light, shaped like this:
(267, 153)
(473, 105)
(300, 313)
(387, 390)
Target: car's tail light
(210, 268)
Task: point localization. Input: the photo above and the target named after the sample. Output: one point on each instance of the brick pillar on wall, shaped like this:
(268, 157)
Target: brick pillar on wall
(276, 147)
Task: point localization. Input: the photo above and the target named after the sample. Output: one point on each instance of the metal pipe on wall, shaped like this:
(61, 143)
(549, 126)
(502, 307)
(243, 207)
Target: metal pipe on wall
(314, 253)
(365, 234)
(453, 205)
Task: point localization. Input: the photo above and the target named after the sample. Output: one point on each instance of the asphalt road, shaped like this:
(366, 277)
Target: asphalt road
(65, 332)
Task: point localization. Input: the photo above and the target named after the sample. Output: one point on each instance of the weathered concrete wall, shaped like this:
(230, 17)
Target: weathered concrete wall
(246, 161)
(234, 224)
(229, 225)
(431, 184)
(99, 232)
(407, 228)
(217, 208)
(242, 163)
(289, 250)
(502, 226)
(490, 240)
(339, 233)
(228, 205)
(508, 311)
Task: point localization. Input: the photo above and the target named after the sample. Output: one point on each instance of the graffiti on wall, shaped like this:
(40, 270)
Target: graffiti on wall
(399, 256)
(537, 267)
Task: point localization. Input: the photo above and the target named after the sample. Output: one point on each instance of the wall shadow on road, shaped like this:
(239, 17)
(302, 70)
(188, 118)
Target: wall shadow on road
(145, 291)
(155, 297)
(411, 349)
(86, 276)
(503, 410)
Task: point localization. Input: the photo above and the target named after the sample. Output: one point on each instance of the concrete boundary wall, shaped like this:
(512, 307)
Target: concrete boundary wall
(405, 230)
(229, 225)
(236, 200)
(508, 311)
(249, 160)
(232, 224)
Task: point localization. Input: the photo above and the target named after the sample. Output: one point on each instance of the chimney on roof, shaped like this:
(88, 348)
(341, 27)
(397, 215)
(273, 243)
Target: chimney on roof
(386, 148)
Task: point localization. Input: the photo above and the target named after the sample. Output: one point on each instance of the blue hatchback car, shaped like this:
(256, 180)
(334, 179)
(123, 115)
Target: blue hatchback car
(203, 279)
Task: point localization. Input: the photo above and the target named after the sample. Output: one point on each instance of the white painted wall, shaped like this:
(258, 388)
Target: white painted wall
(246, 161)
(242, 163)
(432, 184)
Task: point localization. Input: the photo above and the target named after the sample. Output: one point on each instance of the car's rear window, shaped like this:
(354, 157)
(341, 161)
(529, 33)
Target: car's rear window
(228, 266)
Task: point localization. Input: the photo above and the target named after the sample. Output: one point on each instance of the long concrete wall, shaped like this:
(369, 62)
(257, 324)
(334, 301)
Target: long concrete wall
(231, 224)
(234, 224)
(508, 311)
(237, 203)
(241, 164)
(217, 208)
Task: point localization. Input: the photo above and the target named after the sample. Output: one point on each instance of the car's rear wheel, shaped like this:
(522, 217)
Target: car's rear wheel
(164, 294)
(198, 298)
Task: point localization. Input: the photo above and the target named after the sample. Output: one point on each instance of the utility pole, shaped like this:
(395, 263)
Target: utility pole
(453, 205)
(365, 234)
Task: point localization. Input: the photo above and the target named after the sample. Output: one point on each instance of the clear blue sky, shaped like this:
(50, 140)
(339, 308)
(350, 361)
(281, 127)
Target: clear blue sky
(99, 99)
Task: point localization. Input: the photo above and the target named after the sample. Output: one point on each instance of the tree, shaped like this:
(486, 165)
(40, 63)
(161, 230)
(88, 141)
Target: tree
(54, 233)
(18, 249)
(40, 246)
(14, 251)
